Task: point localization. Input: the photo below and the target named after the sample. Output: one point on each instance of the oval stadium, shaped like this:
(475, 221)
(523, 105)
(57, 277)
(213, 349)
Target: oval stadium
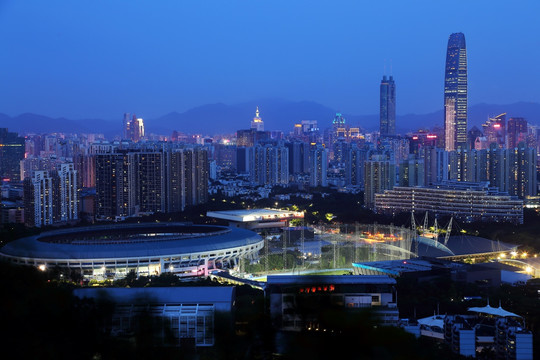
(112, 251)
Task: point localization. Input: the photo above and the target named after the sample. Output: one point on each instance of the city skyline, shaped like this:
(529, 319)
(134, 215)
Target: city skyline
(153, 66)
(231, 179)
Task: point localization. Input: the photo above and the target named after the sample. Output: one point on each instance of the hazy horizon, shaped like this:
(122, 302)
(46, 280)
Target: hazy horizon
(141, 114)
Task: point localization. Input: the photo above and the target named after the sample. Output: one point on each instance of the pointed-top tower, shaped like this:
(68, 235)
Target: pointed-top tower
(257, 122)
(455, 94)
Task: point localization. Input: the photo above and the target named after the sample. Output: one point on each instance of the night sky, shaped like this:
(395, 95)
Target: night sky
(83, 59)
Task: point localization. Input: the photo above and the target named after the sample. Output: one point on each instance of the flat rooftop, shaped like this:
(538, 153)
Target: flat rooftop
(250, 215)
(397, 267)
(328, 279)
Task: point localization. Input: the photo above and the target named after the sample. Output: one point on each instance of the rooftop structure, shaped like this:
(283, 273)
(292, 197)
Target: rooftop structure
(482, 328)
(395, 268)
(257, 218)
(257, 122)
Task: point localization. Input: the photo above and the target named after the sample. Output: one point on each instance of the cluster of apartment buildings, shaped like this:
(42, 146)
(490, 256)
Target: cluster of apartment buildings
(57, 178)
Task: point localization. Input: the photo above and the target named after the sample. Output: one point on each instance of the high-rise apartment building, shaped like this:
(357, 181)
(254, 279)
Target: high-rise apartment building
(196, 175)
(150, 180)
(354, 166)
(69, 192)
(269, 164)
(388, 106)
(455, 93)
(523, 174)
(510, 170)
(411, 172)
(379, 175)
(318, 166)
(116, 194)
(41, 199)
(436, 165)
(517, 131)
(51, 196)
(12, 149)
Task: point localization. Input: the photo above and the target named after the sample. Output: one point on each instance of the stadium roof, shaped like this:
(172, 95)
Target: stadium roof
(463, 245)
(168, 242)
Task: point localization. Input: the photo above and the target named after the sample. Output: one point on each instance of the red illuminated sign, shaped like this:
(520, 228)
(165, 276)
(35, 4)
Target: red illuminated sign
(314, 289)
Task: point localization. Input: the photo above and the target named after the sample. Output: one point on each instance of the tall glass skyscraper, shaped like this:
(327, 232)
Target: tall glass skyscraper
(388, 107)
(455, 93)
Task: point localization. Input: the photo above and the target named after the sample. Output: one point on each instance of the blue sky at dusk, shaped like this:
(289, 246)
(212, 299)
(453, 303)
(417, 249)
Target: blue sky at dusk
(83, 59)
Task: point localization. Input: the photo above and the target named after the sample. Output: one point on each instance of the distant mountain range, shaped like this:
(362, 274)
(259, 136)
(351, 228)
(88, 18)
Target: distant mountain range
(277, 114)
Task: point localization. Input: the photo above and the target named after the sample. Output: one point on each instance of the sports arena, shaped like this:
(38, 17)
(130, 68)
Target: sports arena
(112, 251)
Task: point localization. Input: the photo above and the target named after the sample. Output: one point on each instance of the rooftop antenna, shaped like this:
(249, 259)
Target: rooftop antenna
(391, 71)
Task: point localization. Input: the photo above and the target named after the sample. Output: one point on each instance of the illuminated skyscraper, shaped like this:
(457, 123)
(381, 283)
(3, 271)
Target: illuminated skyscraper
(11, 153)
(495, 130)
(134, 129)
(257, 122)
(455, 93)
(388, 107)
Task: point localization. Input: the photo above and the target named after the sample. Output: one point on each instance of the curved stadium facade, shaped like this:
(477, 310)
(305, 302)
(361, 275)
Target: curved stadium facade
(112, 251)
